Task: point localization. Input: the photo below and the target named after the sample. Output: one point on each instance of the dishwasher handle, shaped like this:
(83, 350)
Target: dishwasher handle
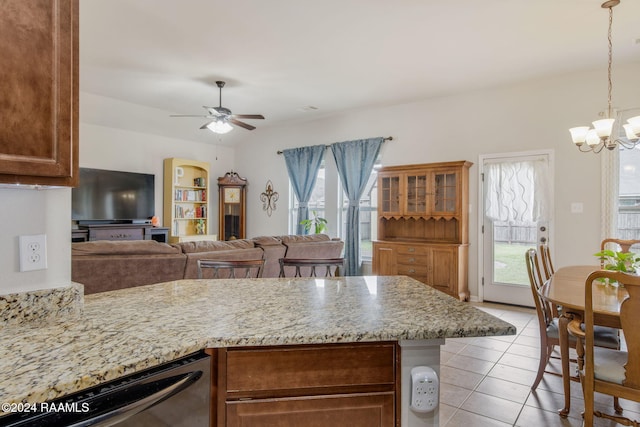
(148, 398)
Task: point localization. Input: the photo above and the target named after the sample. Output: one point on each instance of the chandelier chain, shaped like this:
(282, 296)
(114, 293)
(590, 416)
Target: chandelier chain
(603, 134)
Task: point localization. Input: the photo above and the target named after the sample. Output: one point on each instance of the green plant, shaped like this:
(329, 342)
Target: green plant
(319, 224)
(627, 262)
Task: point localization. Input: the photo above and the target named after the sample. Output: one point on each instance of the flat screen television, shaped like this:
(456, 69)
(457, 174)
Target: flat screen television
(106, 196)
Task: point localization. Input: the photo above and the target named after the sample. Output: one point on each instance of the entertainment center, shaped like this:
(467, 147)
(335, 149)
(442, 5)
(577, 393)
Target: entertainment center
(114, 205)
(91, 232)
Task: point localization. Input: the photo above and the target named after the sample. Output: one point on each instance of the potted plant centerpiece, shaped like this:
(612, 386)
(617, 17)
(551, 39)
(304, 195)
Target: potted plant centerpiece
(626, 262)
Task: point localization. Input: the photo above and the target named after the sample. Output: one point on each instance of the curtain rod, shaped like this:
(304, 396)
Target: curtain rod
(388, 138)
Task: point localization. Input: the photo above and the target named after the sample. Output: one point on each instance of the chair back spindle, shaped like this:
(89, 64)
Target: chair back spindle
(232, 269)
(331, 266)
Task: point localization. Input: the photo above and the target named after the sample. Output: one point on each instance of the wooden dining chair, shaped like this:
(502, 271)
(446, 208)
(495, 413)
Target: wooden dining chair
(228, 269)
(624, 245)
(548, 323)
(612, 372)
(547, 264)
(307, 267)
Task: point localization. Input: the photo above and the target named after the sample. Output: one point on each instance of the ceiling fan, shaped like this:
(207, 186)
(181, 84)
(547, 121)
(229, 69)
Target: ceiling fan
(222, 118)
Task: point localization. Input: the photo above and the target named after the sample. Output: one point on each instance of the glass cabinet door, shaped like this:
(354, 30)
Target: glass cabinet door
(389, 194)
(444, 192)
(416, 194)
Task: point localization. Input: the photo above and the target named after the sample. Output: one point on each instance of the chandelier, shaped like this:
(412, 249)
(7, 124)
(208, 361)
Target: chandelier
(600, 136)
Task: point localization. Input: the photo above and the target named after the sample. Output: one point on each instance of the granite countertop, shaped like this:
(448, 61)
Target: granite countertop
(121, 332)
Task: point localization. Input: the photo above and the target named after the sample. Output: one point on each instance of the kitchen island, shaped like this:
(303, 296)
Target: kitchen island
(122, 332)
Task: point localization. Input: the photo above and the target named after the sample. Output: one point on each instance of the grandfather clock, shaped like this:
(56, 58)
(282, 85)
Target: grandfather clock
(232, 192)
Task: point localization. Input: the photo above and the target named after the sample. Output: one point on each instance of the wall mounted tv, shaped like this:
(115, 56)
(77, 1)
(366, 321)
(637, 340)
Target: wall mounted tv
(105, 196)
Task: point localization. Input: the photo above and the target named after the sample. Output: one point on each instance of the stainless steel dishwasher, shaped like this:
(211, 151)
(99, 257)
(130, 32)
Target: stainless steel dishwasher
(174, 394)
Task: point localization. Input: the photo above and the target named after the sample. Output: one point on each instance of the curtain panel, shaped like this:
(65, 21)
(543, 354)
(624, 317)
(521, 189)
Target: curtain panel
(354, 161)
(302, 166)
(517, 192)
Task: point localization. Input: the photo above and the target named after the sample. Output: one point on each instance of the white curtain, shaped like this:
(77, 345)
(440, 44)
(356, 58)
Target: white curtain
(610, 188)
(517, 191)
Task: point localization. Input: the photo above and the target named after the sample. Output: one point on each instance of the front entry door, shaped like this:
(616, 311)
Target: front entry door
(522, 221)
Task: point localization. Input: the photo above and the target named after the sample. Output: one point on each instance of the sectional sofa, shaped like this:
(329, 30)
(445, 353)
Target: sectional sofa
(109, 265)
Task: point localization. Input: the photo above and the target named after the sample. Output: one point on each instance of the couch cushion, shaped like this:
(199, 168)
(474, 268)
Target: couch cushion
(214, 245)
(301, 238)
(267, 241)
(100, 273)
(128, 247)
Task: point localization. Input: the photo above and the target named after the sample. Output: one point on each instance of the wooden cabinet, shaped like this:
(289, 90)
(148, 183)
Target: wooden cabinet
(119, 232)
(311, 385)
(423, 224)
(39, 87)
(186, 200)
(442, 266)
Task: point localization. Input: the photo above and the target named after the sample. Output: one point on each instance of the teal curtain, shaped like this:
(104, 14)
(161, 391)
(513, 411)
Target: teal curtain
(302, 166)
(354, 160)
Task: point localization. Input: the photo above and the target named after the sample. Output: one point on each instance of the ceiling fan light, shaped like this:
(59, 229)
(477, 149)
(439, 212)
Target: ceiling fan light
(592, 138)
(604, 127)
(579, 134)
(219, 126)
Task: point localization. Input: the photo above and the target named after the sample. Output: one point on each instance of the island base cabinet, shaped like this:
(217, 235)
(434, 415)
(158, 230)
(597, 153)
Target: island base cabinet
(354, 384)
(368, 410)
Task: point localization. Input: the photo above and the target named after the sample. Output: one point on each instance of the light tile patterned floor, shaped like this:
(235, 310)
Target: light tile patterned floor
(487, 381)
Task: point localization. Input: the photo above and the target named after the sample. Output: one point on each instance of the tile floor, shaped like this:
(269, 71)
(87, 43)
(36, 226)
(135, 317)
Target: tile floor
(487, 381)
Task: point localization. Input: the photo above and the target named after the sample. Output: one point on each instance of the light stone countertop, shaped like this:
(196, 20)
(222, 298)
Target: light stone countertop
(121, 332)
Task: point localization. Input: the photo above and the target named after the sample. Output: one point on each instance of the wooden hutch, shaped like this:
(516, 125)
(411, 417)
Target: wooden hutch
(423, 224)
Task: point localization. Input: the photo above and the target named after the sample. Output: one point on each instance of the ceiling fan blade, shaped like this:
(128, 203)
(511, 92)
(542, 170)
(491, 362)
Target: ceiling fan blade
(241, 124)
(187, 115)
(248, 116)
(204, 126)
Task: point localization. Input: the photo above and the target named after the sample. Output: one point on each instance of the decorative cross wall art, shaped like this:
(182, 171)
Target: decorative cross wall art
(269, 198)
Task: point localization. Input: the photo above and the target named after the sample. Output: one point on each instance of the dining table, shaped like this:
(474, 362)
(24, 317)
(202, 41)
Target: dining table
(566, 288)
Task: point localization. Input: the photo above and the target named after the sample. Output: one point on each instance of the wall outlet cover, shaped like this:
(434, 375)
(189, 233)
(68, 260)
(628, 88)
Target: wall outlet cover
(33, 252)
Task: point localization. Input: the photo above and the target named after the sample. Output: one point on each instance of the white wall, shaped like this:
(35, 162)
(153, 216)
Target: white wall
(532, 115)
(522, 117)
(27, 212)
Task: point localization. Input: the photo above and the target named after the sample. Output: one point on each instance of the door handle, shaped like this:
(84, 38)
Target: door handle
(149, 396)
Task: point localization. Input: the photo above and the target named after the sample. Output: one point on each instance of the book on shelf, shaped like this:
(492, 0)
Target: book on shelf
(190, 195)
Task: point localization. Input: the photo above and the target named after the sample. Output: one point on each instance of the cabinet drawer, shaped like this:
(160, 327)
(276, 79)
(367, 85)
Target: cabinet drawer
(412, 250)
(412, 270)
(117, 234)
(298, 370)
(412, 259)
(357, 410)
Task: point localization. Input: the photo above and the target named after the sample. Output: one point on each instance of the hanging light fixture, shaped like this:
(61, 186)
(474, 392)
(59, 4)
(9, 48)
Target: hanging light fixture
(601, 135)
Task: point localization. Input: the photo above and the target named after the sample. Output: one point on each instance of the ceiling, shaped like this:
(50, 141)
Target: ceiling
(279, 57)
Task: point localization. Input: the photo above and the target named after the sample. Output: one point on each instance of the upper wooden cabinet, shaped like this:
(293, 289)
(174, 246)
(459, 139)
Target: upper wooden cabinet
(423, 224)
(39, 87)
(424, 202)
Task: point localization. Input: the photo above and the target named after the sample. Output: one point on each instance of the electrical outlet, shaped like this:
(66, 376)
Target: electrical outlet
(33, 252)
(424, 389)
